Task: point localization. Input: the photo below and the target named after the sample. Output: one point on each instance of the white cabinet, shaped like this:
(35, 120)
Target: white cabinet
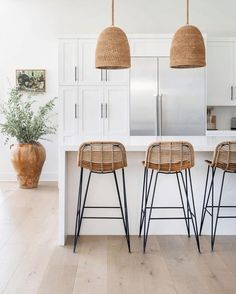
(68, 111)
(103, 111)
(221, 66)
(68, 62)
(90, 111)
(88, 73)
(151, 47)
(116, 100)
(77, 65)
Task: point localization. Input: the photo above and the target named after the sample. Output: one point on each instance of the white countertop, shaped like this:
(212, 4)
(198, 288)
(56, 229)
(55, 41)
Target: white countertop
(140, 143)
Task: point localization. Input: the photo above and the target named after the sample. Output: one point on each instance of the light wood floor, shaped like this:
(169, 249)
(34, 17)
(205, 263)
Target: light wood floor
(31, 262)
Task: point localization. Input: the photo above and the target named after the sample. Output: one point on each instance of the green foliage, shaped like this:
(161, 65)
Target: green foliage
(21, 122)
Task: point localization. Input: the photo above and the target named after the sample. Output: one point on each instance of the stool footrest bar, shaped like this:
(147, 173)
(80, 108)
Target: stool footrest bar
(168, 218)
(101, 217)
(102, 207)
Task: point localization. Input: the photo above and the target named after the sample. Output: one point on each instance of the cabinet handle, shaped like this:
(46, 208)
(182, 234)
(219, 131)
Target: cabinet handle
(101, 110)
(232, 93)
(76, 73)
(160, 114)
(101, 75)
(106, 76)
(106, 110)
(76, 113)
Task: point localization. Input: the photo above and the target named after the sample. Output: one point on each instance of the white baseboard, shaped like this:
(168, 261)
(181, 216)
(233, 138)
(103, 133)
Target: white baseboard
(46, 177)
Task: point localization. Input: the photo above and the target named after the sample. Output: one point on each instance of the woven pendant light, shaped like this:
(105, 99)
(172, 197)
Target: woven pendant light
(187, 48)
(112, 50)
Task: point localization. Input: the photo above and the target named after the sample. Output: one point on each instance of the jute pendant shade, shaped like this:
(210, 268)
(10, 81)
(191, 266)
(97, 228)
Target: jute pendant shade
(187, 48)
(112, 50)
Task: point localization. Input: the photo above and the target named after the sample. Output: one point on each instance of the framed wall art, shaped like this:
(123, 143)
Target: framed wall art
(31, 80)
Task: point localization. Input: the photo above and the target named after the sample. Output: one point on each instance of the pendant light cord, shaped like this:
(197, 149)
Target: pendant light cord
(187, 16)
(113, 13)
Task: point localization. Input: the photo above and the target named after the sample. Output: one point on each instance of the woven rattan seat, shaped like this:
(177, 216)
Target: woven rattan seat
(169, 156)
(224, 156)
(101, 156)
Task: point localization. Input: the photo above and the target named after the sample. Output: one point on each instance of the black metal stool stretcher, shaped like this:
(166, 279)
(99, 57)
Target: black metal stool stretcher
(102, 158)
(224, 159)
(169, 158)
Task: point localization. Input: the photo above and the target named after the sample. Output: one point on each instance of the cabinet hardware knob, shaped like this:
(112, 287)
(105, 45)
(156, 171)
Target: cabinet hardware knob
(76, 112)
(232, 93)
(75, 73)
(101, 110)
(106, 109)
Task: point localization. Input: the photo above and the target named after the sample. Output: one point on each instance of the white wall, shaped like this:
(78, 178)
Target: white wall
(29, 30)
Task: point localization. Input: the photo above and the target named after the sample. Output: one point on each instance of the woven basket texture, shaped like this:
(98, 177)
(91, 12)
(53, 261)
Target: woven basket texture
(187, 48)
(102, 156)
(169, 156)
(113, 51)
(225, 156)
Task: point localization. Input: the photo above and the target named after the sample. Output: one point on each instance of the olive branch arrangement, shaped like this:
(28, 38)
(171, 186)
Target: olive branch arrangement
(21, 122)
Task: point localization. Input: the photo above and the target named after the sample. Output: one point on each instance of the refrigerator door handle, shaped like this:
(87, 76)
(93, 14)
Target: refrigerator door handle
(232, 93)
(160, 114)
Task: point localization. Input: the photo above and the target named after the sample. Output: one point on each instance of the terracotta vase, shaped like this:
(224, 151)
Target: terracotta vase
(28, 160)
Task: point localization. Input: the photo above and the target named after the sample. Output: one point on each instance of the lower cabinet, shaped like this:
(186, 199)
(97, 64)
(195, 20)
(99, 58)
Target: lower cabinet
(116, 119)
(90, 111)
(94, 111)
(68, 119)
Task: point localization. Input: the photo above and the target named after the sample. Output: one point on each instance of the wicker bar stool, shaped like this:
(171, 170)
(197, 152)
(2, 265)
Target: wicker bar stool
(101, 158)
(169, 158)
(224, 159)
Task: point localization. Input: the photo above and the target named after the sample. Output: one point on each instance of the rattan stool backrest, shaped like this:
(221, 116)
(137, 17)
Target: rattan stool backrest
(225, 156)
(101, 157)
(170, 156)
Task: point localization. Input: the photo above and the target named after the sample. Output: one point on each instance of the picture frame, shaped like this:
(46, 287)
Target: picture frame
(31, 80)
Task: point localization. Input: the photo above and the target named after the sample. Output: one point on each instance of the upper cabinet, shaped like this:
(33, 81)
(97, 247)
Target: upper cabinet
(88, 73)
(68, 62)
(221, 68)
(77, 65)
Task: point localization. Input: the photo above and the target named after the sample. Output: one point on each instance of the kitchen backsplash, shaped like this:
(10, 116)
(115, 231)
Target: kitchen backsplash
(223, 116)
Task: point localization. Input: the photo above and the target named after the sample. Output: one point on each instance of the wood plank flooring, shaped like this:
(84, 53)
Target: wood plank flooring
(31, 262)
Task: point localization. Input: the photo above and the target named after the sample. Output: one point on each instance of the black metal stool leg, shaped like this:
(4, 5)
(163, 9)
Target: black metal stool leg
(182, 201)
(146, 229)
(78, 208)
(185, 185)
(206, 201)
(212, 209)
(142, 203)
(218, 210)
(191, 214)
(121, 208)
(146, 189)
(126, 209)
(194, 214)
(82, 212)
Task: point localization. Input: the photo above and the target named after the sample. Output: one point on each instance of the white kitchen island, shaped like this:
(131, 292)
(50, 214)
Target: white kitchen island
(102, 189)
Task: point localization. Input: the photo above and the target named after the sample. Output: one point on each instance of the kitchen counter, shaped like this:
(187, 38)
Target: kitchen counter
(167, 189)
(200, 143)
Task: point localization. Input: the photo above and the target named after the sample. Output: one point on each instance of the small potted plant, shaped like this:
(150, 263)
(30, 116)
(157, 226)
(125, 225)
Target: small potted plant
(26, 126)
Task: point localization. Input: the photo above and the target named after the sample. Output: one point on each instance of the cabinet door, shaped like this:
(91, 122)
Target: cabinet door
(116, 111)
(120, 76)
(87, 71)
(220, 73)
(68, 68)
(90, 111)
(68, 111)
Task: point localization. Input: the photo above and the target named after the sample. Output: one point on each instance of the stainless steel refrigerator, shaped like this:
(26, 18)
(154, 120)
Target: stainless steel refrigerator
(165, 101)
